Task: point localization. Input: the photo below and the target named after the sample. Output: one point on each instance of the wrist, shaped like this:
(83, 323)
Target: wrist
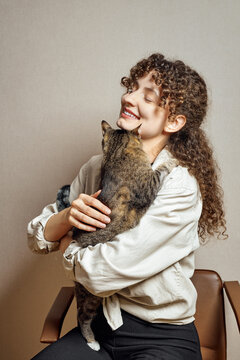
(57, 226)
(65, 219)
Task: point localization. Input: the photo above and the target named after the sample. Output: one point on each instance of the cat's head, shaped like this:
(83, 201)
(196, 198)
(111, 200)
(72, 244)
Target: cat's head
(118, 139)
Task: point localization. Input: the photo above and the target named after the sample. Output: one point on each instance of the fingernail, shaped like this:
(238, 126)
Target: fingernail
(108, 211)
(107, 219)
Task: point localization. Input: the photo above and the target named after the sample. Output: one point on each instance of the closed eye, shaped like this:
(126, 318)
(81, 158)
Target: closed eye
(148, 100)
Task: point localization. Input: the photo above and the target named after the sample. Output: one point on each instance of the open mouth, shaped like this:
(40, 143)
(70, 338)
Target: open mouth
(129, 114)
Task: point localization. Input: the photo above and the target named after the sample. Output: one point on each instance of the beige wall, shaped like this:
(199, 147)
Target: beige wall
(61, 63)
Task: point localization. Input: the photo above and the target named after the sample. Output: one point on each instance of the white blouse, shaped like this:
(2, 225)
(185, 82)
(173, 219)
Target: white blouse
(145, 271)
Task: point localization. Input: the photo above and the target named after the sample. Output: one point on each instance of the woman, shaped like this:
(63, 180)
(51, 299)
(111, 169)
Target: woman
(143, 275)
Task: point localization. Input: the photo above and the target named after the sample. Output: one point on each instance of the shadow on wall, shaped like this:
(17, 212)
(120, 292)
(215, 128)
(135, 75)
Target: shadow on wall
(25, 304)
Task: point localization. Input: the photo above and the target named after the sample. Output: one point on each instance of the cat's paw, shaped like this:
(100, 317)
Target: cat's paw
(171, 164)
(94, 345)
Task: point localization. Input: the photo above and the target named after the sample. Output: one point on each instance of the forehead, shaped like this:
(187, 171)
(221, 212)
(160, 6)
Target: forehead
(148, 81)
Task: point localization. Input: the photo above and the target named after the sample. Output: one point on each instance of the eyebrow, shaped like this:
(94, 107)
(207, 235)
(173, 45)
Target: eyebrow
(155, 91)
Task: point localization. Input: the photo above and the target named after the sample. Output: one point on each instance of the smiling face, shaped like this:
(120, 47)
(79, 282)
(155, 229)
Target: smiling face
(140, 106)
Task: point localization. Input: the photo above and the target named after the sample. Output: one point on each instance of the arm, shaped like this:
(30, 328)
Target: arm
(165, 234)
(57, 226)
(35, 231)
(46, 232)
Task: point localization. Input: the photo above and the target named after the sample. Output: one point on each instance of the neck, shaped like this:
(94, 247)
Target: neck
(153, 148)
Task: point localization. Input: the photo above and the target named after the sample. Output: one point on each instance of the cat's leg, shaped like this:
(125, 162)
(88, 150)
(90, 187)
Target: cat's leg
(87, 305)
(169, 165)
(89, 335)
(164, 169)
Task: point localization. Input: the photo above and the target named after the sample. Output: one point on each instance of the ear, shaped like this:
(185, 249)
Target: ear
(105, 127)
(175, 125)
(135, 131)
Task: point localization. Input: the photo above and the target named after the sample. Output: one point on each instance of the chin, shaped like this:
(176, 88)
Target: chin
(126, 124)
(119, 123)
(122, 124)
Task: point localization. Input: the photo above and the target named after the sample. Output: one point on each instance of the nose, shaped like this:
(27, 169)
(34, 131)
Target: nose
(130, 99)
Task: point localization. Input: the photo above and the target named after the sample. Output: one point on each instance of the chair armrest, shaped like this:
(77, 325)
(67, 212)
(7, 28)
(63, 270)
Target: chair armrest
(54, 320)
(233, 293)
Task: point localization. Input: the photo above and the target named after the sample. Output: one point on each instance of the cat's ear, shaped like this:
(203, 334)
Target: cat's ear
(105, 126)
(135, 131)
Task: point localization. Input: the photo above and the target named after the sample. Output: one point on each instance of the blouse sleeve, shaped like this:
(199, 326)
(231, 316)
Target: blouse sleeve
(35, 229)
(166, 233)
(35, 232)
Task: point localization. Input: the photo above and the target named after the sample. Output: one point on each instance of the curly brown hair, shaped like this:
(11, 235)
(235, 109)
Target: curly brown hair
(187, 92)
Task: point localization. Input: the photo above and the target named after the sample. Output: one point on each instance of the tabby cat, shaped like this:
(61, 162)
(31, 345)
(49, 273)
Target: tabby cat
(129, 186)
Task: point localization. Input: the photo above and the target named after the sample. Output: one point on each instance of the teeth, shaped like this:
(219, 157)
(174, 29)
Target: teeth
(128, 114)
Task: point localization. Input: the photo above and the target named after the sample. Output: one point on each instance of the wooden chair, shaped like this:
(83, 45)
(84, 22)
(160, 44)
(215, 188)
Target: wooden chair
(209, 317)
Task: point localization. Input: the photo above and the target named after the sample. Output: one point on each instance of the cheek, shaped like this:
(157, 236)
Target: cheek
(160, 112)
(160, 116)
(154, 123)
(153, 111)
(150, 129)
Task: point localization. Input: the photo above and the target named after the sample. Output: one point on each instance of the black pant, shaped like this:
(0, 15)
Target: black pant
(135, 339)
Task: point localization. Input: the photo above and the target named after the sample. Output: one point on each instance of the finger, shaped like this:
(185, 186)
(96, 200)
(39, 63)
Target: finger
(79, 208)
(95, 195)
(81, 225)
(90, 216)
(85, 199)
(91, 201)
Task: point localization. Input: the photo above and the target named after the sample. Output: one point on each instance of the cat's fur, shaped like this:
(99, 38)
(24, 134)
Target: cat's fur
(129, 186)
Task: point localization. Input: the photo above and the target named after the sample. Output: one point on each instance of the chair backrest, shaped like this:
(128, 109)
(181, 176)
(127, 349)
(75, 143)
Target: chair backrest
(210, 315)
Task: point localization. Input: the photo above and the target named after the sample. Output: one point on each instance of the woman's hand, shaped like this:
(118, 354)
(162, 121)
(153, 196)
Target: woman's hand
(88, 213)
